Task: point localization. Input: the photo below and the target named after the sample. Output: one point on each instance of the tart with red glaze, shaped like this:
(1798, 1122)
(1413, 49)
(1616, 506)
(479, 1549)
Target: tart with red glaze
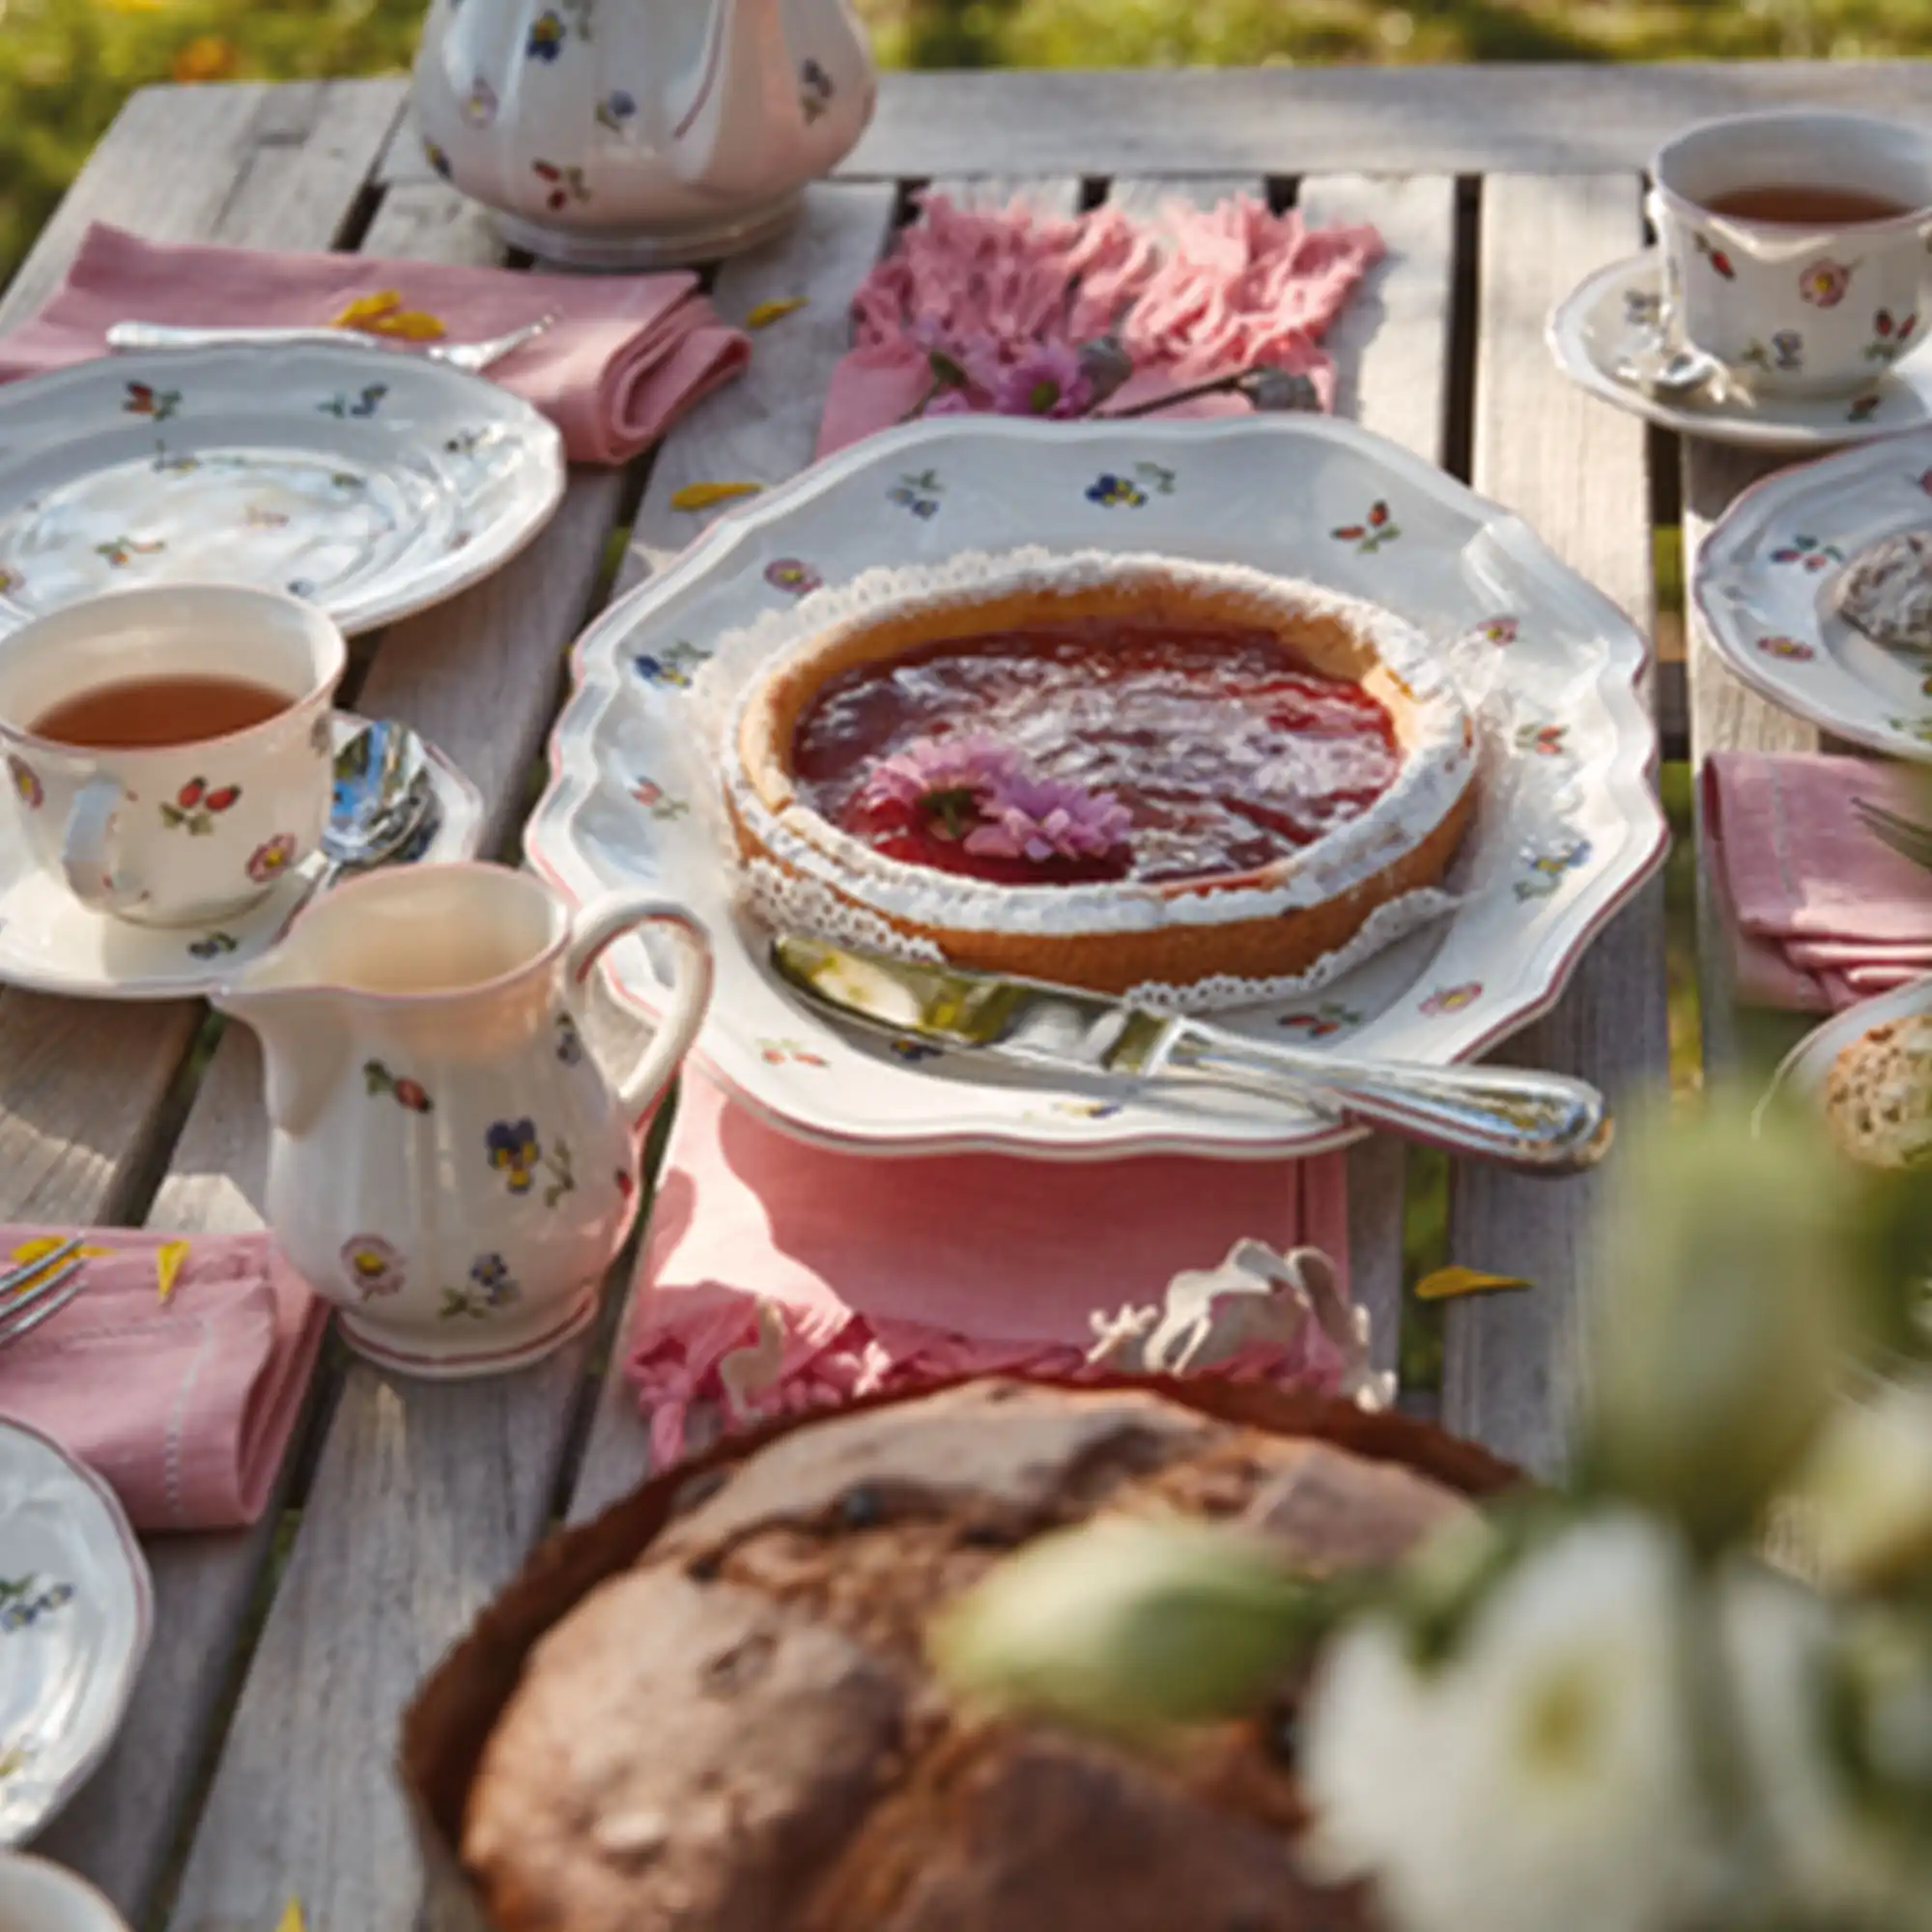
(1104, 771)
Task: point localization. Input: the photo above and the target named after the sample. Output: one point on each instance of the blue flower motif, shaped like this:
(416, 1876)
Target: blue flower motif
(514, 1151)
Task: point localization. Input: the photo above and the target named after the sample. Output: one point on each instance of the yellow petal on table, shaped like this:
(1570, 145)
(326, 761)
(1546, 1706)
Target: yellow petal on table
(169, 1259)
(292, 1919)
(1452, 1281)
(767, 313)
(704, 496)
(365, 309)
(412, 325)
(29, 1251)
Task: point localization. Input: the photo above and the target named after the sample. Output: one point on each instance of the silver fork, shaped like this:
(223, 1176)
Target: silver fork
(474, 358)
(55, 1279)
(1906, 837)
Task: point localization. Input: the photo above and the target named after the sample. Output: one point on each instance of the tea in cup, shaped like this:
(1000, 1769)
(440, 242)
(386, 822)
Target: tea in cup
(1795, 245)
(168, 749)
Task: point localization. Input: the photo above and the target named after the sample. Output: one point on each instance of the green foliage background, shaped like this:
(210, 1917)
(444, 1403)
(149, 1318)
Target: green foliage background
(66, 65)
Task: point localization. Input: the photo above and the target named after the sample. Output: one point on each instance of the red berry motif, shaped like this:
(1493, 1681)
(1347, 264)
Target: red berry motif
(191, 794)
(221, 800)
(405, 1091)
(1378, 515)
(626, 1186)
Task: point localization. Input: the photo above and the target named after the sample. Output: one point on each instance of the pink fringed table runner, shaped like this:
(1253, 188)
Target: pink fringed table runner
(176, 1374)
(1203, 294)
(1819, 912)
(824, 1275)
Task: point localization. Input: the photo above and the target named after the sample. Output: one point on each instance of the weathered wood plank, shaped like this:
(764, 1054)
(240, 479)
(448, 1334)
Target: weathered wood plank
(1391, 347)
(83, 1087)
(280, 167)
(763, 427)
(1725, 715)
(427, 1496)
(83, 1083)
(1575, 468)
(1577, 118)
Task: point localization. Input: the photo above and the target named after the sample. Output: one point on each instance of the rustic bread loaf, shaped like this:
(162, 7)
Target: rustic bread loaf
(741, 1732)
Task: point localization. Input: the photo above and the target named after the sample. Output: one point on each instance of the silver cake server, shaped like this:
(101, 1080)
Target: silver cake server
(1541, 1122)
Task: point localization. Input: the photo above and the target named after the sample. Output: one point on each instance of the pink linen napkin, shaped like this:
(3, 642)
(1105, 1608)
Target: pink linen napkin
(626, 357)
(1200, 294)
(1820, 913)
(830, 1275)
(185, 1407)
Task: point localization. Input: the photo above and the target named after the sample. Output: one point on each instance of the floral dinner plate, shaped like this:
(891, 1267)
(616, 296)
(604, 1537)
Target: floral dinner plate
(1610, 317)
(76, 1608)
(51, 941)
(373, 483)
(1764, 583)
(1569, 824)
(1809, 1064)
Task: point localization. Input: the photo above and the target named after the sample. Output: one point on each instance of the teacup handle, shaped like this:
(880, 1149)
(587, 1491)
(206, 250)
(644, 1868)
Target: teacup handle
(606, 920)
(91, 854)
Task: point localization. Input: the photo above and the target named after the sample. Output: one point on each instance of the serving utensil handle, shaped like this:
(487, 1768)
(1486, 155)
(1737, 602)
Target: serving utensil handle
(124, 335)
(1539, 1123)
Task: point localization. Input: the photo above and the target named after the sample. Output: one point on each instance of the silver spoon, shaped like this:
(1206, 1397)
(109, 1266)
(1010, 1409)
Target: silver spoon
(383, 793)
(472, 356)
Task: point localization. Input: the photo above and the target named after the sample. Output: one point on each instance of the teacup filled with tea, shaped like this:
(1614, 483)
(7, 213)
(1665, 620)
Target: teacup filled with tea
(168, 749)
(1795, 245)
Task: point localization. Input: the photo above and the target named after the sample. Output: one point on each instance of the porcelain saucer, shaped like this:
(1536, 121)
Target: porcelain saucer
(1614, 314)
(53, 943)
(1764, 584)
(76, 1609)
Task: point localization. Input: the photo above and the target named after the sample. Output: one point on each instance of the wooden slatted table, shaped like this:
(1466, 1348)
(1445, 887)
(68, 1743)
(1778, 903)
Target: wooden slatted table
(255, 1762)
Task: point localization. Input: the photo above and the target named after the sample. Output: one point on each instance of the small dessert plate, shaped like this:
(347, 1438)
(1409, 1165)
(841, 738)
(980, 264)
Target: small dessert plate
(373, 484)
(1567, 826)
(76, 1609)
(1766, 580)
(53, 943)
(1804, 1071)
(1611, 318)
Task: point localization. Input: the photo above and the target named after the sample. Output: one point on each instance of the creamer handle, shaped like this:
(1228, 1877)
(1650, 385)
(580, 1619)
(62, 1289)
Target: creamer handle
(609, 919)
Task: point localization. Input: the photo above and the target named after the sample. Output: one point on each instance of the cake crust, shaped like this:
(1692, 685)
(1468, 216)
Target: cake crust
(1274, 922)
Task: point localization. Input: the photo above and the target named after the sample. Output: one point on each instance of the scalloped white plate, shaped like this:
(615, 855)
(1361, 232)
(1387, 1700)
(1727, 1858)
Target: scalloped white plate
(373, 484)
(1570, 826)
(1764, 581)
(76, 1609)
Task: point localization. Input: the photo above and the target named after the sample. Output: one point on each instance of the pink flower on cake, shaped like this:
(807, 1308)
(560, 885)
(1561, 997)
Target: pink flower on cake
(947, 776)
(1046, 381)
(1042, 819)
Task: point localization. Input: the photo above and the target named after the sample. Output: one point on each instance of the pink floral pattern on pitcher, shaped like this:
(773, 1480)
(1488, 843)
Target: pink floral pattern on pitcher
(268, 862)
(26, 786)
(374, 1267)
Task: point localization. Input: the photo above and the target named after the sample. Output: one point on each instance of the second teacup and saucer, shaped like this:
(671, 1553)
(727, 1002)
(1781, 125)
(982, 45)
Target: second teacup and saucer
(1792, 267)
(170, 762)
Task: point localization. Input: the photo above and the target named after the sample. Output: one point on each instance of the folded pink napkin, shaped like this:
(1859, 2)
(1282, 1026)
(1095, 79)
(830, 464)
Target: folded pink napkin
(1821, 914)
(625, 357)
(824, 1275)
(183, 1405)
(1200, 294)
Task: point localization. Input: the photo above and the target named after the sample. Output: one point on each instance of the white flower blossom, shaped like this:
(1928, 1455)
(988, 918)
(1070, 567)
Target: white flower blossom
(1540, 1776)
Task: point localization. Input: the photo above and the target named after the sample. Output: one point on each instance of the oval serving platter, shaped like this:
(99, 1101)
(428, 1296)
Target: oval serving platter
(373, 483)
(76, 1610)
(1569, 829)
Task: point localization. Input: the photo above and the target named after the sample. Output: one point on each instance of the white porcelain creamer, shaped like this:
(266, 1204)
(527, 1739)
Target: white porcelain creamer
(450, 1165)
(628, 134)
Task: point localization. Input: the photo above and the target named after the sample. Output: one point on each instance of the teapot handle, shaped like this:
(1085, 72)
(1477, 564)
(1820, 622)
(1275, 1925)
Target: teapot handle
(609, 919)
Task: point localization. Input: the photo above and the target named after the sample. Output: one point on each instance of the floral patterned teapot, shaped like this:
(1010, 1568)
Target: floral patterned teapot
(450, 1165)
(626, 133)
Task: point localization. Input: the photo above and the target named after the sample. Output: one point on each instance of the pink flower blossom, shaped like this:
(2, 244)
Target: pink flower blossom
(1043, 818)
(950, 403)
(967, 769)
(1046, 381)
